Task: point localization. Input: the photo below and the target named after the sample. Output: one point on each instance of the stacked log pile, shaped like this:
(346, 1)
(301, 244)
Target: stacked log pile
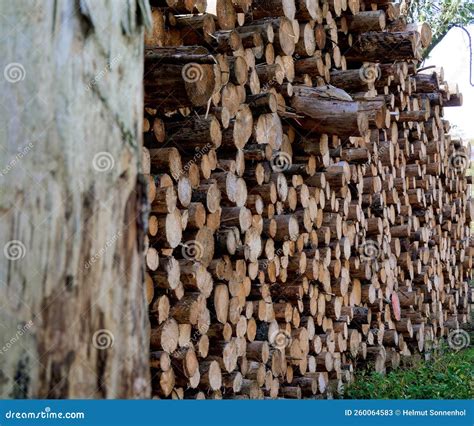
(309, 208)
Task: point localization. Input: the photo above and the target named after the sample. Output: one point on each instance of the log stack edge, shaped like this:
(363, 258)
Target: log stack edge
(310, 210)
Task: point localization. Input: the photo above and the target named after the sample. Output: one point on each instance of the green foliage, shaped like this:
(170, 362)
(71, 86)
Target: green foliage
(441, 15)
(446, 376)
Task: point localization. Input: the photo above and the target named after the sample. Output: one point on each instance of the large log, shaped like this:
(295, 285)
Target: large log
(383, 46)
(328, 113)
(177, 77)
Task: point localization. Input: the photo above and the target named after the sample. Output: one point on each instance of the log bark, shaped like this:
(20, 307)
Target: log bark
(328, 114)
(78, 242)
(373, 46)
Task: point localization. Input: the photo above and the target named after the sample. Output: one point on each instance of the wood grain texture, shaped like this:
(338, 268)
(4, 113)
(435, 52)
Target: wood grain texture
(74, 202)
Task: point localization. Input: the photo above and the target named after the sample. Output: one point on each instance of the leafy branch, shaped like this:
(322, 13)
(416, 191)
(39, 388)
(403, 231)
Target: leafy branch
(441, 15)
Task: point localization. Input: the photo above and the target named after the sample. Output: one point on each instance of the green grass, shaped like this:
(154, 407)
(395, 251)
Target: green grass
(445, 376)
